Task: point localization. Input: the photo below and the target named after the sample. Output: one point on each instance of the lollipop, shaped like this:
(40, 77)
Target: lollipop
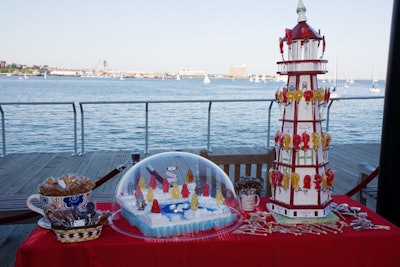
(306, 138)
(290, 96)
(277, 135)
(315, 140)
(321, 95)
(295, 180)
(286, 180)
(308, 95)
(330, 177)
(286, 141)
(323, 140)
(307, 182)
(317, 181)
(298, 94)
(296, 141)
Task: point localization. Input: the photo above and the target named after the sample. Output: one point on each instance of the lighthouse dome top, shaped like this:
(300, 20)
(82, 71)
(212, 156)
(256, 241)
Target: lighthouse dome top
(301, 11)
(303, 31)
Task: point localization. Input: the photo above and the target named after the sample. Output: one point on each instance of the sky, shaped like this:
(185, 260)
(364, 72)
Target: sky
(207, 35)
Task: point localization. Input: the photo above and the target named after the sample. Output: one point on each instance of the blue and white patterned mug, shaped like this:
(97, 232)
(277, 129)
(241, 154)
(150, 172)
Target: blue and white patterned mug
(48, 204)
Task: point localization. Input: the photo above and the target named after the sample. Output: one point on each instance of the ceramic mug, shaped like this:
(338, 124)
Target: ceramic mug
(249, 202)
(49, 204)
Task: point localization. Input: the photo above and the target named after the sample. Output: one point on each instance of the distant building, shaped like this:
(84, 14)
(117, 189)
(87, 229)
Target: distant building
(2, 64)
(238, 71)
(191, 73)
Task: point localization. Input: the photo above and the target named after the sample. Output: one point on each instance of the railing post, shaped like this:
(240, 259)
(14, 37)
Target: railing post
(209, 127)
(147, 129)
(75, 131)
(269, 122)
(82, 130)
(328, 111)
(3, 131)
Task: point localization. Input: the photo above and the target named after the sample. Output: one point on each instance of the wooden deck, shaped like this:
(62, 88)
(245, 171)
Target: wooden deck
(20, 174)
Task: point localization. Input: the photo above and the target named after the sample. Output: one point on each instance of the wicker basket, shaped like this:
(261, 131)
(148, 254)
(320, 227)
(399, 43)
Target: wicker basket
(78, 234)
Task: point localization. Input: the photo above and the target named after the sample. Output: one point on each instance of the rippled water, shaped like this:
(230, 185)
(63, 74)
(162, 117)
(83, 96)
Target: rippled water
(46, 128)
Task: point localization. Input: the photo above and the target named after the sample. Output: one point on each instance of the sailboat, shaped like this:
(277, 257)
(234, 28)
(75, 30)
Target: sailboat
(346, 85)
(206, 79)
(373, 88)
(334, 93)
(263, 78)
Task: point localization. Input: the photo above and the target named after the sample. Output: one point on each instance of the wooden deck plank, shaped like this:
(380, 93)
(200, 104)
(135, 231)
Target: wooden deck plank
(11, 236)
(24, 173)
(54, 166)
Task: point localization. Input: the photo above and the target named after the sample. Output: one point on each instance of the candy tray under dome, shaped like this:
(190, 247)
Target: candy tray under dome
(175, 196)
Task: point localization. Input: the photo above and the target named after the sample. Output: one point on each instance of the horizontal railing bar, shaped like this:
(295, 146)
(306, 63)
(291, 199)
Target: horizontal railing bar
(356, 97)
(36, 103)
(176, 101)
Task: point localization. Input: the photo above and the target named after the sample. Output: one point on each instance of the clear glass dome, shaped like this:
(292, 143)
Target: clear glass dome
(175, 196)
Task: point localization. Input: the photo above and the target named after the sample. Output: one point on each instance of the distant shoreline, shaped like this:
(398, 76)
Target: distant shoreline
(169, 76)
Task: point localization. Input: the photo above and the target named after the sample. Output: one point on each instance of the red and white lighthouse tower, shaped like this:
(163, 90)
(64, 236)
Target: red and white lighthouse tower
(301, 183)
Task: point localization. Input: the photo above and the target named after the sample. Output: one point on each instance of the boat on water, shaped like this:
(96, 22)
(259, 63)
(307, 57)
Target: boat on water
(334, 92)
(374, 89)
(25, 77)
(264, 79)
(206, 79)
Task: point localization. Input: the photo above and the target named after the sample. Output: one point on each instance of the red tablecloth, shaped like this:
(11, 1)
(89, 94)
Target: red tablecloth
(351, 248)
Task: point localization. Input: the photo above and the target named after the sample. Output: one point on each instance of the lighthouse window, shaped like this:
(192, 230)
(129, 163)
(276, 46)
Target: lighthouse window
(304, 85)
(305, 157)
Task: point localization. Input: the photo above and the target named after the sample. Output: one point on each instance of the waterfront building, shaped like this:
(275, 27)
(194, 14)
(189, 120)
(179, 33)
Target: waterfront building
(189, 73)
(238, 71)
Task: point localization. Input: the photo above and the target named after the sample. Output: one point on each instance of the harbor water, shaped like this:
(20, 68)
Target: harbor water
(174, 125)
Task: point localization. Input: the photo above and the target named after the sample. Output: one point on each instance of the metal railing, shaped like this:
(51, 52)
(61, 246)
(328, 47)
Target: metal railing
(3, 125)
(147, 103)
(146, 110)
(345, 98)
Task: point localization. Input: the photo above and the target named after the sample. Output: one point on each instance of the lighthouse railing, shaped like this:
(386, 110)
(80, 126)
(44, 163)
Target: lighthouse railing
(318, 66)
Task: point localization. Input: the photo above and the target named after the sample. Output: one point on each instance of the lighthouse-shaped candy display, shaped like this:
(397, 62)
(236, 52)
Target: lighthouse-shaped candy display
(301, 182)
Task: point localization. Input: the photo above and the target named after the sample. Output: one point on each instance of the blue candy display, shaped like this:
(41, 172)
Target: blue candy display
(174, 194)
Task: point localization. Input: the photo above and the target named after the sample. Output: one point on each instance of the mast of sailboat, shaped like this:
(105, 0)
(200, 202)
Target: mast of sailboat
(334, 88)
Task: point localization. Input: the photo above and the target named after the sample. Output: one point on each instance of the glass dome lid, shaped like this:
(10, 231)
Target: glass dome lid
(175, 196)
